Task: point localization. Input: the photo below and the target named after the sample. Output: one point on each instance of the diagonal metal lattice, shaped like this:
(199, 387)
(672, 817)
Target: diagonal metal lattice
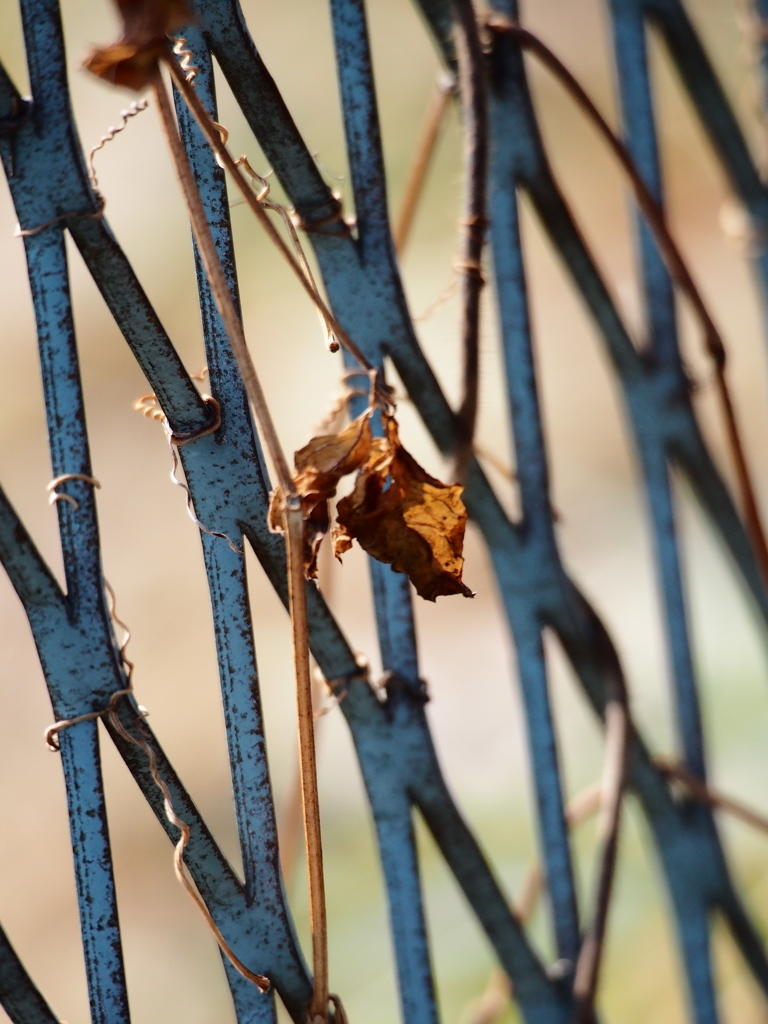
(225, 473)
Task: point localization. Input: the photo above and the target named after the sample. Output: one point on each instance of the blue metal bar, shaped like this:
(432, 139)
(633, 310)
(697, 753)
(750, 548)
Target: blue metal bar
(394, 623)
(85, 603)
(715, 114)
(361, 131)
(140, 325)
(640, 129)
(19, 996)
(65, 410)
(373, 734)
(31, 578)
(533, 485)
(86, 609)
(93, 874)
(391, 805)
(225, 569)
(26, 150)
(662, 511)
(265, 110)
(531, 469)
(554, 838)
(638, 117)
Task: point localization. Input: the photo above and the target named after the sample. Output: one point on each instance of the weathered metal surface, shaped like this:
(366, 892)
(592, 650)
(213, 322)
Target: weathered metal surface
(226, 476)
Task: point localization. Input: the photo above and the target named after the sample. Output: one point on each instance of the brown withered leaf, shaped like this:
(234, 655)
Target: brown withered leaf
(131, 61)
(319, 467)
(401, 515)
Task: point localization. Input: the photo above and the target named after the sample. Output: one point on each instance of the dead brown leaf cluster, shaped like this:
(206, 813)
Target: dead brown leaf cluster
(132, 60)
(397, 512)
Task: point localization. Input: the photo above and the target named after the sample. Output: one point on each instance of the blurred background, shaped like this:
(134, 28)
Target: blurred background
(152, 555)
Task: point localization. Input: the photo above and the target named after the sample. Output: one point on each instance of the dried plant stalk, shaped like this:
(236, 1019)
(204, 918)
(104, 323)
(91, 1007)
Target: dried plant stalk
(211, 132)
(474, 105)
(294, 531)
(678, 271)
(418, 171)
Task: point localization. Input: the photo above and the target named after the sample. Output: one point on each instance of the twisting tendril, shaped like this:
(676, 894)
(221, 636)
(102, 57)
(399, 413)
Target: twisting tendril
(149, 406)
(190, 507)
(142, 740)
(180, 48)
(112, 131)
(53, 497)
(261, 187)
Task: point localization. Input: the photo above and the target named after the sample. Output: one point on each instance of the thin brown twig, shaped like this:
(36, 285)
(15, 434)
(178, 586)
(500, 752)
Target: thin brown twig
(490, 1004)
(613, 785)
(707, 795)
(244, 164)
(210, 130)
(294, 532)
(293, 520)
(292, 817)
(474, 107)
(675, 264)
(221, 293)
(414, 185)
(111, 718)
(179, 867)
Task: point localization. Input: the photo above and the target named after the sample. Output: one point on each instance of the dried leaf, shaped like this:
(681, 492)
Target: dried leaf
(401, 515)
(131, 61)
(326, 459)
(319, 467)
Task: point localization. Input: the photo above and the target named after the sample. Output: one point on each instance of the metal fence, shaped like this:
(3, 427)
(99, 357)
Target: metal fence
(85, 667)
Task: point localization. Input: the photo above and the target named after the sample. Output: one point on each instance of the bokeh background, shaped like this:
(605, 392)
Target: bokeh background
(153, 560)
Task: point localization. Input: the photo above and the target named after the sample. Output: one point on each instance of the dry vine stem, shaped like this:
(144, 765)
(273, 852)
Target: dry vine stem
(111, 717)
(446, 88)
(210, 130)
(704, 794)
(474, 106)
(676, 265)
(617, 733)
(292, 511)
(489, 1006)
(178, 851)
(243, 162)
